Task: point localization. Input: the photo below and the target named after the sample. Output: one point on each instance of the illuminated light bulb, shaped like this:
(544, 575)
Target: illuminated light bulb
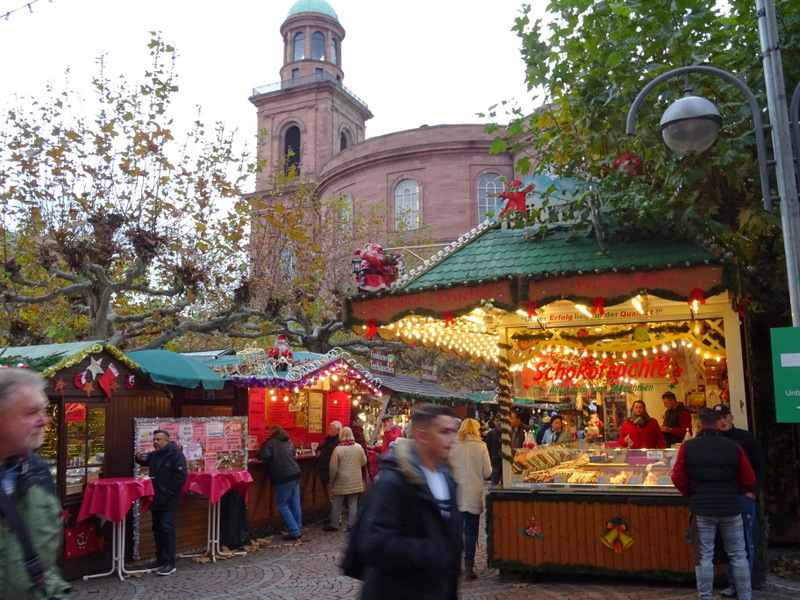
(665, 347)
(644, 351)
(355, 402)
(697, 351)
(718, 358)
(674, 345)
(633, 354)
(335, 377)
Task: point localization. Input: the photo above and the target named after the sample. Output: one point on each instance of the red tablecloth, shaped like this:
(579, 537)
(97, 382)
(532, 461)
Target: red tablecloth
(214, 485)
(111, 498)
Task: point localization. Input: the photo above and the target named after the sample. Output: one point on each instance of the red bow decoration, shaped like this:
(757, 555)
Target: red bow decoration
(697, 294)
(448, 318)
(373, 328)
(530, 306)
(599, 302)
(742, 305)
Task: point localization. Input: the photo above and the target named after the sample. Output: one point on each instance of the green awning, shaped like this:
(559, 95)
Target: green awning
(171, 368)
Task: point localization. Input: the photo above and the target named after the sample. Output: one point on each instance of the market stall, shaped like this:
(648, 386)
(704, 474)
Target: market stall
(303, 392)
(95, 392)
(588, 330)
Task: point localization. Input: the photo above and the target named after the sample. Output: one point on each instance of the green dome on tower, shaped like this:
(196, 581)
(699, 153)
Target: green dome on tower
(315, 6)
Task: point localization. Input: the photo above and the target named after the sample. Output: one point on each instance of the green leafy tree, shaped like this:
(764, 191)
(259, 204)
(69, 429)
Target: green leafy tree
(114, 229)
(588, 60)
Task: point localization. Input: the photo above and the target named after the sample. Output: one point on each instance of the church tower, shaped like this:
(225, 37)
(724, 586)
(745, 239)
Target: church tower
(309, 115)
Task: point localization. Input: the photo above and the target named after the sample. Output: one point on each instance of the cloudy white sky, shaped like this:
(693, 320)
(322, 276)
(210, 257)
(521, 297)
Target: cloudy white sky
(413, 62)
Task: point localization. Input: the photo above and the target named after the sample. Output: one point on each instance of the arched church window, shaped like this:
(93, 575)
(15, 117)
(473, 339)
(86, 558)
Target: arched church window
(334, 51)
(299, 45)
(344, 141)
(406, 205)
(489, 184)
(291, 147)
(318, 46)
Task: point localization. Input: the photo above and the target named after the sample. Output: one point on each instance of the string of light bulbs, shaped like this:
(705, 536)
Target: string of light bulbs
(28, 5)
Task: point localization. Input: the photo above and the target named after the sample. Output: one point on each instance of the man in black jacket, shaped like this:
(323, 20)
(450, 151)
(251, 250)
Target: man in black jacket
(712, 472)
(494, 445)
(748, 501)
(168, 471)
(410, 533)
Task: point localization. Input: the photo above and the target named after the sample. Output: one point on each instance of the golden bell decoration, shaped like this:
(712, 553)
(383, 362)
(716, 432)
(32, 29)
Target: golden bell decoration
(616, 535)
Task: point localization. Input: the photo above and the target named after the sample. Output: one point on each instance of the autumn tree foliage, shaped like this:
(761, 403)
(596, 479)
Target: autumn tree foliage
(301, 258)
(587, 61)
(112, 227)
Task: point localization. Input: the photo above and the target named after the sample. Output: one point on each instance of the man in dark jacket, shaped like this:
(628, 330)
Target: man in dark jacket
(713, 471)
(677, 419)
(748, 501)
(410, 534)
(168, 471)
(324, 453)
(518, 430)
(26, 482)
(494, 446)
(278, 455)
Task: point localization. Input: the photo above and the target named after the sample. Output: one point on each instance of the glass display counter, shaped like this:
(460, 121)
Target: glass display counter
(593, 469)
(86, 449)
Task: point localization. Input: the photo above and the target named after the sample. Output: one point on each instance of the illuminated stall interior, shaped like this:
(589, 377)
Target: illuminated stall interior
(303, 394)
(568, 324)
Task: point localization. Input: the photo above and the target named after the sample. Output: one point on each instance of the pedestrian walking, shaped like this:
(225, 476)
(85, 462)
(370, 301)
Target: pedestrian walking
(748, 502)
(31, 525)
(408, 543)
(469, 460)
(278, 455)
(713, 471)
(346, 481)
(168, 472)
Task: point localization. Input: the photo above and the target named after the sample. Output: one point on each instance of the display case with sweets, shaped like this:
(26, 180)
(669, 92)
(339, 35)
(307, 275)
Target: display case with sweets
(613, 470)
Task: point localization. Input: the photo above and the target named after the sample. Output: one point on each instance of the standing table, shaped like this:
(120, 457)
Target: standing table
(110, 499)
(214, 485)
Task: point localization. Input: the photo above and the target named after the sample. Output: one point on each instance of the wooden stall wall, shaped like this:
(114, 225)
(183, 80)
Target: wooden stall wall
(571, 534)
(262, 510)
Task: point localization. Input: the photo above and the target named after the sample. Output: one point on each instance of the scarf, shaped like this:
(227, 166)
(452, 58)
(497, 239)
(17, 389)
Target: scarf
(641, 420)
(347, 443)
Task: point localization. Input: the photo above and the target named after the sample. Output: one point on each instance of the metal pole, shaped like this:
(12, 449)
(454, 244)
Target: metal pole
(782, 145)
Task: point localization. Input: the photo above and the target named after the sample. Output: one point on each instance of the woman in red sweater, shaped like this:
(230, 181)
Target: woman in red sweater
(640, 430)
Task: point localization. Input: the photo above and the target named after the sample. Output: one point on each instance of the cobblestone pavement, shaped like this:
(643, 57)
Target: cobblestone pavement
(309, 571)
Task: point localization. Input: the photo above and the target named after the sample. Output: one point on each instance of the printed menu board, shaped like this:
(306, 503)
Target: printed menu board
(315, 402)
(208, 443)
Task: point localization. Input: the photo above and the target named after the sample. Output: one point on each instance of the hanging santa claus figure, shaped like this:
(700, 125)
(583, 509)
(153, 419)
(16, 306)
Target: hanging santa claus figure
(280, 354)
(377, 270)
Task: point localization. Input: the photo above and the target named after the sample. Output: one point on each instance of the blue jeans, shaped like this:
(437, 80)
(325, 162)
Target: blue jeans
(164, 534)
(471, 528)
(748, 506)
(732, 532)
(288, 498)
(497, 474)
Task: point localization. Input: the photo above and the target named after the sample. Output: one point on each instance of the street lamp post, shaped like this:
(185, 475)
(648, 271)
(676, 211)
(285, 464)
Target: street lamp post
(687, 118)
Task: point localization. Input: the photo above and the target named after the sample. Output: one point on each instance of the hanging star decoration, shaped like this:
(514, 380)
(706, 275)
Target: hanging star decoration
(58, 385)
(95, 366)
(88, 388)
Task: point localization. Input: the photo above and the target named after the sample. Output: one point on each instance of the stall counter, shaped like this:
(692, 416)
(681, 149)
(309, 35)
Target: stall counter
(611, 535)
